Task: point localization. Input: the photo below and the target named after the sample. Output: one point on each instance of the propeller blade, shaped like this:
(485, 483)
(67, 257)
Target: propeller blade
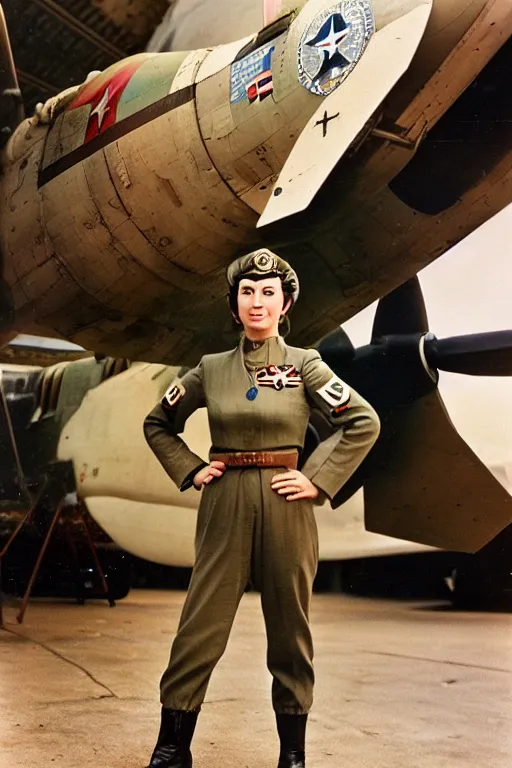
(401, 312)
(427, 485)
(478, 354)
(336, 348)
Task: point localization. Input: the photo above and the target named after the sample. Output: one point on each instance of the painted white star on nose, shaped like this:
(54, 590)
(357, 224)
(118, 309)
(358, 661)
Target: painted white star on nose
(332, 40)
(101, 108)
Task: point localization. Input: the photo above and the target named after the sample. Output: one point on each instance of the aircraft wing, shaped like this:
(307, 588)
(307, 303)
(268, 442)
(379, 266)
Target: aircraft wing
(34, 350)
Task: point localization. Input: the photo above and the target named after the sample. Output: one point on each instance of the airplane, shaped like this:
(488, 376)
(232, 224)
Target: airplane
(34, 486)
(129, 495)
(123, 199)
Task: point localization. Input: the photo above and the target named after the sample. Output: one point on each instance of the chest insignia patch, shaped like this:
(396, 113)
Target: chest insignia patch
(278, 377)
(336, 394)
(173, 395)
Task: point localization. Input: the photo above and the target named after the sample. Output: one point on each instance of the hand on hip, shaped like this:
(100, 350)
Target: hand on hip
(209, 473)
(294, 485)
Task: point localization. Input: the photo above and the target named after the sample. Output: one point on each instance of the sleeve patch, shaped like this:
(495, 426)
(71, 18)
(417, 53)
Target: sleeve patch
(335, 393)
(174, 394)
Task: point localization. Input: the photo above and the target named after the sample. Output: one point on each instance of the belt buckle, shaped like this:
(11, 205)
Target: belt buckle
(252, 459)
(247, 459)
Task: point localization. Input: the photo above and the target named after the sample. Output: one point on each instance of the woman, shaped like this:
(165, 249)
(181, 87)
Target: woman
(255, 520)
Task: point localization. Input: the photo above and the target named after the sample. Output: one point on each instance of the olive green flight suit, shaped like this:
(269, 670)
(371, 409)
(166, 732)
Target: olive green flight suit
(245, 530)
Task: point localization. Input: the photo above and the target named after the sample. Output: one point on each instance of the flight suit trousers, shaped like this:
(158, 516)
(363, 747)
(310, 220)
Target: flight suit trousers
(247, 532)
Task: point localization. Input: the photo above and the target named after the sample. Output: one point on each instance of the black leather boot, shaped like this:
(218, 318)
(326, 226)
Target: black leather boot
(292, 735)
(173, 745)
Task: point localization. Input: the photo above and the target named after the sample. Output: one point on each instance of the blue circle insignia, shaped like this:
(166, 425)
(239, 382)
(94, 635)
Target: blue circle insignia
(333, 43)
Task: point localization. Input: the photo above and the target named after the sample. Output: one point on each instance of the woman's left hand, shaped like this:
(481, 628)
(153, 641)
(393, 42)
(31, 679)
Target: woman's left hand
(294, 483)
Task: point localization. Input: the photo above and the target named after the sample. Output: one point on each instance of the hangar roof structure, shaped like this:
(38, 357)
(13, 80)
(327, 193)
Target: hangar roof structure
(56, 43)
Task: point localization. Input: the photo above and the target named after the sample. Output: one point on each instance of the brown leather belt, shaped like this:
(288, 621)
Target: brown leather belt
(258, 459)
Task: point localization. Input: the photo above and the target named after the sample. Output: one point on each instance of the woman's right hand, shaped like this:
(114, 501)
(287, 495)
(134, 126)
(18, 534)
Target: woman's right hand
(209, 473)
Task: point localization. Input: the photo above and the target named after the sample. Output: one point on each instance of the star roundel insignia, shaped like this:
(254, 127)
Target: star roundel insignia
(333, 43)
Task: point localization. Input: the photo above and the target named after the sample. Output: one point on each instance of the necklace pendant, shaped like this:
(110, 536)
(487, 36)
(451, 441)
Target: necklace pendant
(252, 393)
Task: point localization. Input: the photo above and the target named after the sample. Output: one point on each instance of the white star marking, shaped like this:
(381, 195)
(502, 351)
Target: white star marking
(101, 108)
(333, 39)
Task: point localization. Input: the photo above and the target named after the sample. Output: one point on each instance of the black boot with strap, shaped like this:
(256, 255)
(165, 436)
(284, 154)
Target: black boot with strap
(292, 735)
(173, 744)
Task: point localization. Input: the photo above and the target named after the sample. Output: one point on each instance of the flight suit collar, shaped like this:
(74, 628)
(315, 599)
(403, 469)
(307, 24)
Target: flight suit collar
(261, 354)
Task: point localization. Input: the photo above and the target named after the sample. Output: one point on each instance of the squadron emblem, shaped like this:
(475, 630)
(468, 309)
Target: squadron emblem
(336, 394)
(173, 395)
(333, 43)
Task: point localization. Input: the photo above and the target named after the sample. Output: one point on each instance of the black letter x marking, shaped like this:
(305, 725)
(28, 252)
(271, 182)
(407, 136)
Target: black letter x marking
(323, 122)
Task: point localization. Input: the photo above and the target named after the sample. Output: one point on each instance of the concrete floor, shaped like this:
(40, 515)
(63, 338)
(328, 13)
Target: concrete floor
(398, 685)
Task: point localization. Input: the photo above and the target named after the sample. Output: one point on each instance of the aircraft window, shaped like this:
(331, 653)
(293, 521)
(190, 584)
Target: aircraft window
(107, 370)
(121, 364)
(465, 145)
(114, 366)
(49, 394)
(267, 34)
(44, 394)
(55, 391)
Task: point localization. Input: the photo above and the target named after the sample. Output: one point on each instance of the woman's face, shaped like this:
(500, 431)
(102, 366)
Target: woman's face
(260, 306)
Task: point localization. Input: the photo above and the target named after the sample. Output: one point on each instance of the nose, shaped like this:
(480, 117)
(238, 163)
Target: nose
(256, 298)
